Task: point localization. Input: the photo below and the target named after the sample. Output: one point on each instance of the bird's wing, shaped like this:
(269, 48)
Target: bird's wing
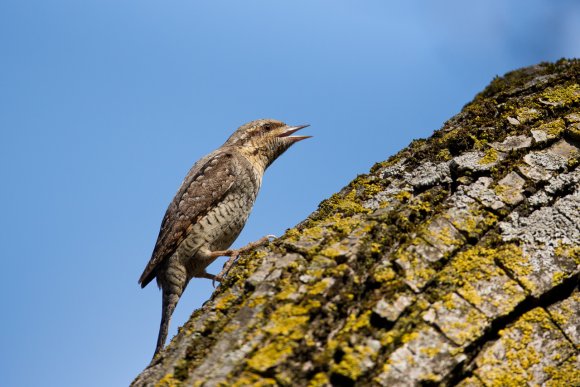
(207, 182)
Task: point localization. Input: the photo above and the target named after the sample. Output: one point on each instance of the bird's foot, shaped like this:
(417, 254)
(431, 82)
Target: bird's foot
(233, 256)
(260, 242)
(220, 277)
(213, 278)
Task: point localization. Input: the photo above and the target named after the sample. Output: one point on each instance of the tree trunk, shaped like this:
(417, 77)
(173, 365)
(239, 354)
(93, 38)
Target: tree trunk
(455, 262)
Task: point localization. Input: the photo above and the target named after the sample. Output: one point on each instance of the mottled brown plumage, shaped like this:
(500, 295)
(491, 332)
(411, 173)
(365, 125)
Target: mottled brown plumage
(210, 210)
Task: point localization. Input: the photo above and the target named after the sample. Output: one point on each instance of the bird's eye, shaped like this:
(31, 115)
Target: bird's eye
(268, 127)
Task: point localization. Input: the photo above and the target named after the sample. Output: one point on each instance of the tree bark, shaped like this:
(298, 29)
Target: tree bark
(455, 262)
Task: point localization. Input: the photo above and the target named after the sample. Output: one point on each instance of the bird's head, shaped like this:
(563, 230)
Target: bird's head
(262, 141)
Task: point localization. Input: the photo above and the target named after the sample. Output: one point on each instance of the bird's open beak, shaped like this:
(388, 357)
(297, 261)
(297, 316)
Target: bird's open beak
(292, 129)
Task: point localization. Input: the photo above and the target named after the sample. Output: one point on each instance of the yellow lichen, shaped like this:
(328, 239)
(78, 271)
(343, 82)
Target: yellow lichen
(474, 221)
(526, 114)
(291, 234)
(289, 321)
(417, 270)
(518, 263)
(477, 264)
(313, 232)
(354, 322)
(320, 287)
(564, 312)
(319, 380)
(478, 143)
(345, 225)
(407, 337)
(347, 205)
(368, 184)
(469, 327)
(331, 252)
(271, 355)
(444, 155)
(403, 196)
(562, 95)
(387, 338)
(351, 364)
(558, 277)
(441, 234)
(430, 351)
(520, 353)
(287, 291)
(168, 381)
(384, 274)
(246, 264)
(255, 301)
(490, 156)
(566, 374)
(292, 326)
(568, 251)
(420, 206)
(251, 379)
(289, 309)
(225, 301)
(553, 129)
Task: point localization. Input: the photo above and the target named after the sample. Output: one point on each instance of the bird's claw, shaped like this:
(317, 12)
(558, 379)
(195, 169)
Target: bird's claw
(217, 278)
(226, 268)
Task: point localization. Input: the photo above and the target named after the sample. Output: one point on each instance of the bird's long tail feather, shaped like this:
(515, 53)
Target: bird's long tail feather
(169, 302)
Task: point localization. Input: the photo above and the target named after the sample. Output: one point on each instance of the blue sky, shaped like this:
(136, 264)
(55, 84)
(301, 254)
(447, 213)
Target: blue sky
(104, 106)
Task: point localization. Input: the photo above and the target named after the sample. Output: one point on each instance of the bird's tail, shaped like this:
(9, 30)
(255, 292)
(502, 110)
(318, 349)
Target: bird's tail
(170, 300)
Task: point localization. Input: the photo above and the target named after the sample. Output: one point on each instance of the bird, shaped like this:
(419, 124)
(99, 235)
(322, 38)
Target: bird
(210, 210)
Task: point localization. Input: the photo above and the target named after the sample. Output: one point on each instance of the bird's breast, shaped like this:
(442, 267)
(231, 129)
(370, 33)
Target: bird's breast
(222, 224)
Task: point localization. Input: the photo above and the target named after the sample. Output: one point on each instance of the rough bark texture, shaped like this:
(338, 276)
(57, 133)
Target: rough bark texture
(455, 262)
